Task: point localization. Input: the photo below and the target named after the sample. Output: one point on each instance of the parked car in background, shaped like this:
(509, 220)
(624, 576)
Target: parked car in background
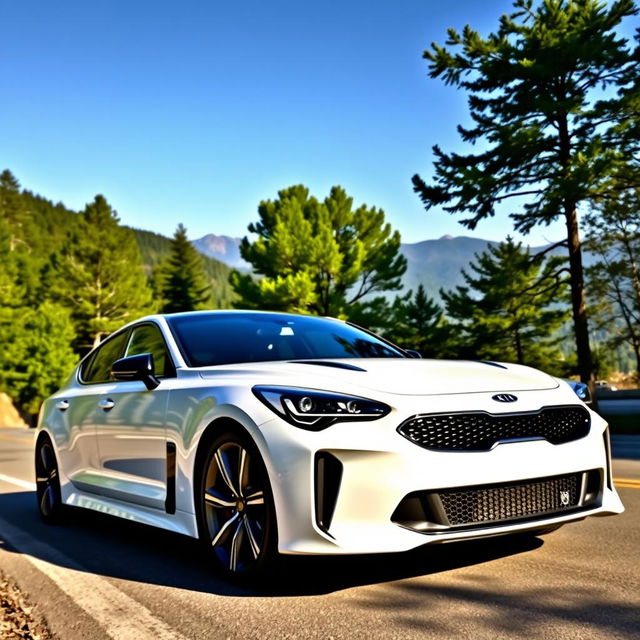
(581, 390)
(603, 385)
(269, 433)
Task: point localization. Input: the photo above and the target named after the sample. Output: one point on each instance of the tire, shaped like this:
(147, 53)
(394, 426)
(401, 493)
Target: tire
(48, 492)
(236, 516)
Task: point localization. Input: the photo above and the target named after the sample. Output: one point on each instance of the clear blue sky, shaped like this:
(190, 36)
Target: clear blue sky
(195, 111)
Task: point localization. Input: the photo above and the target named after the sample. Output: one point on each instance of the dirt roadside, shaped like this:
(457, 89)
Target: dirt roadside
(17, 618)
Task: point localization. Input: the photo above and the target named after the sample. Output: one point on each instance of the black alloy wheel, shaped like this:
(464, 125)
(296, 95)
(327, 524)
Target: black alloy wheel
(236, 507)
(48, 482)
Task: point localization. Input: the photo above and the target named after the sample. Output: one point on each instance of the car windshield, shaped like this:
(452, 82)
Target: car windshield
(225, 338)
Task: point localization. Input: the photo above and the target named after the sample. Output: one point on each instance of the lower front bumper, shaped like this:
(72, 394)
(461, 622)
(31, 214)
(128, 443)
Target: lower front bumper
(373, 482)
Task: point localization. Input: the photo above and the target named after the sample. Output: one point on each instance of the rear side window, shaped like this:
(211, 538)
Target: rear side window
(98, 367)
(147, 338)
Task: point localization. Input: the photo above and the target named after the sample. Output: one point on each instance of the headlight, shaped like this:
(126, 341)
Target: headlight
(315, 410)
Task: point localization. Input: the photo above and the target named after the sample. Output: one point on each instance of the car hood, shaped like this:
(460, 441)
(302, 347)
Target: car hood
(390, 375)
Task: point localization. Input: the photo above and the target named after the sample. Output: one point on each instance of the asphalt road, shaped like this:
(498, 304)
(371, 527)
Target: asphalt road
(98, 577)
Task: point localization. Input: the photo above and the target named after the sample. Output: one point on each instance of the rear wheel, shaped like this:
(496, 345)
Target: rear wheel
(48, 482)
(237, 517)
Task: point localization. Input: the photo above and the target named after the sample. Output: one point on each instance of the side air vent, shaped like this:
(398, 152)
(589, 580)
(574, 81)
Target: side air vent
(170, 502)
(328, 475)
(607, 449)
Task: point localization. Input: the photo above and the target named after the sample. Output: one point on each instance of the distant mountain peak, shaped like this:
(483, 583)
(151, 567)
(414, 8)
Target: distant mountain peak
(446, 237)
(218, 244)
(223, 248)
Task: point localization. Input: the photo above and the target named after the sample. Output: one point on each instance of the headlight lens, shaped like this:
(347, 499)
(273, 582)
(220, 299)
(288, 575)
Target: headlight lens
(315, 410)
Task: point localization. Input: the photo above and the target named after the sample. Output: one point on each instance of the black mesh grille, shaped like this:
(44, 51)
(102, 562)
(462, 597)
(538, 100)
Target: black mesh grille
(507, 502)
(479, 431)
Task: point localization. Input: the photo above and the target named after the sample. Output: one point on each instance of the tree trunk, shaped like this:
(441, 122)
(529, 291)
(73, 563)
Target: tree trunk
(578, 303)
(519, 353)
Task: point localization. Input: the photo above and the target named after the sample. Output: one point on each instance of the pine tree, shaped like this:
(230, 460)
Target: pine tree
(100, 276)
(419, 323)
(13, 216)
(181, 279)
(511, 307)
(613, 237)
(17, 266)
(318, 257)
(553, 96)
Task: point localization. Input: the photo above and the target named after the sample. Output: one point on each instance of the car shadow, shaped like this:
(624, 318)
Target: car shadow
(120, 548)
(494, 612)
(486, 602)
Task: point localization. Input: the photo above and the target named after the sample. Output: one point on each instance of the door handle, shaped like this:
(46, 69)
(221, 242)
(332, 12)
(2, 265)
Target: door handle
(63, 405)
(106, 404)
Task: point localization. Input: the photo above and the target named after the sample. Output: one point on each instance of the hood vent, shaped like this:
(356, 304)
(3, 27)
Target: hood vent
(329, 363)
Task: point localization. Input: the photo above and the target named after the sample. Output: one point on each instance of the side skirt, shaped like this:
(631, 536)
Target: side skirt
(179, 522)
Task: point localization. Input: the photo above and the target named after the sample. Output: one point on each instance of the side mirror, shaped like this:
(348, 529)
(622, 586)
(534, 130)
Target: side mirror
(412, 353)
(138, 367)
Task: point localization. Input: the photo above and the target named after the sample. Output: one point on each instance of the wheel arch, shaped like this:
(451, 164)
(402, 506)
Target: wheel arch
(214, 428)
(228, 424)
(209, 434)
(44, 434)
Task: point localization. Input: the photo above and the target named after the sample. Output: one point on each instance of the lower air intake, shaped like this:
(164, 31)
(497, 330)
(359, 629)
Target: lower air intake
(478, 505)
(489, 505)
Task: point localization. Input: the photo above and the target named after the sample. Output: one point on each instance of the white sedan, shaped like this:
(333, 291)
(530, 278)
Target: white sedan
(268, 433)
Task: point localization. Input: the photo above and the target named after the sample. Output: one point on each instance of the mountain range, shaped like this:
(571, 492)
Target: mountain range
(434, 263)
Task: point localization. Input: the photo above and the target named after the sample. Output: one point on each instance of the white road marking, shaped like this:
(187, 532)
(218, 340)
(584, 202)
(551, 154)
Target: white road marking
(120, 616)
(31, 486)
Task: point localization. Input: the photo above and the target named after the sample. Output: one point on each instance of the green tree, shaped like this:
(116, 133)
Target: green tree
(318, 257)
(13, 216)
(613, 236)
(36, 354)
(19, 264)
(418, 323)
(511, 307)
(553, 95)
(100, 276)
(181, 278)
(35, 336)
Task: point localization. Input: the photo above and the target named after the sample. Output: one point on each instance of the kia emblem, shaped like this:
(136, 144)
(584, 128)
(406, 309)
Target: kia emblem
(504, 397)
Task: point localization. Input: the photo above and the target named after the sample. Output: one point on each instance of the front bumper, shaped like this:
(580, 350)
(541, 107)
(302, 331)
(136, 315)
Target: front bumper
(377, 469)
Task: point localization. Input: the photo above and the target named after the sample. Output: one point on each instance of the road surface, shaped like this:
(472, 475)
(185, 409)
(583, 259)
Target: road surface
(97, 577)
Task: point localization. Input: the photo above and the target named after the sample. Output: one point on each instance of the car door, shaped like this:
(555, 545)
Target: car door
(130, 427)
(76, 410)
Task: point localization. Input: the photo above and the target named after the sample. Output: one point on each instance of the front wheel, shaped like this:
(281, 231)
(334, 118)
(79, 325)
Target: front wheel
(48, 482)
(237, 517)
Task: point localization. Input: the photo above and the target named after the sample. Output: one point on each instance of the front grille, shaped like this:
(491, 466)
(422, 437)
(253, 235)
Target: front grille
(480, 431)
(480, 504)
